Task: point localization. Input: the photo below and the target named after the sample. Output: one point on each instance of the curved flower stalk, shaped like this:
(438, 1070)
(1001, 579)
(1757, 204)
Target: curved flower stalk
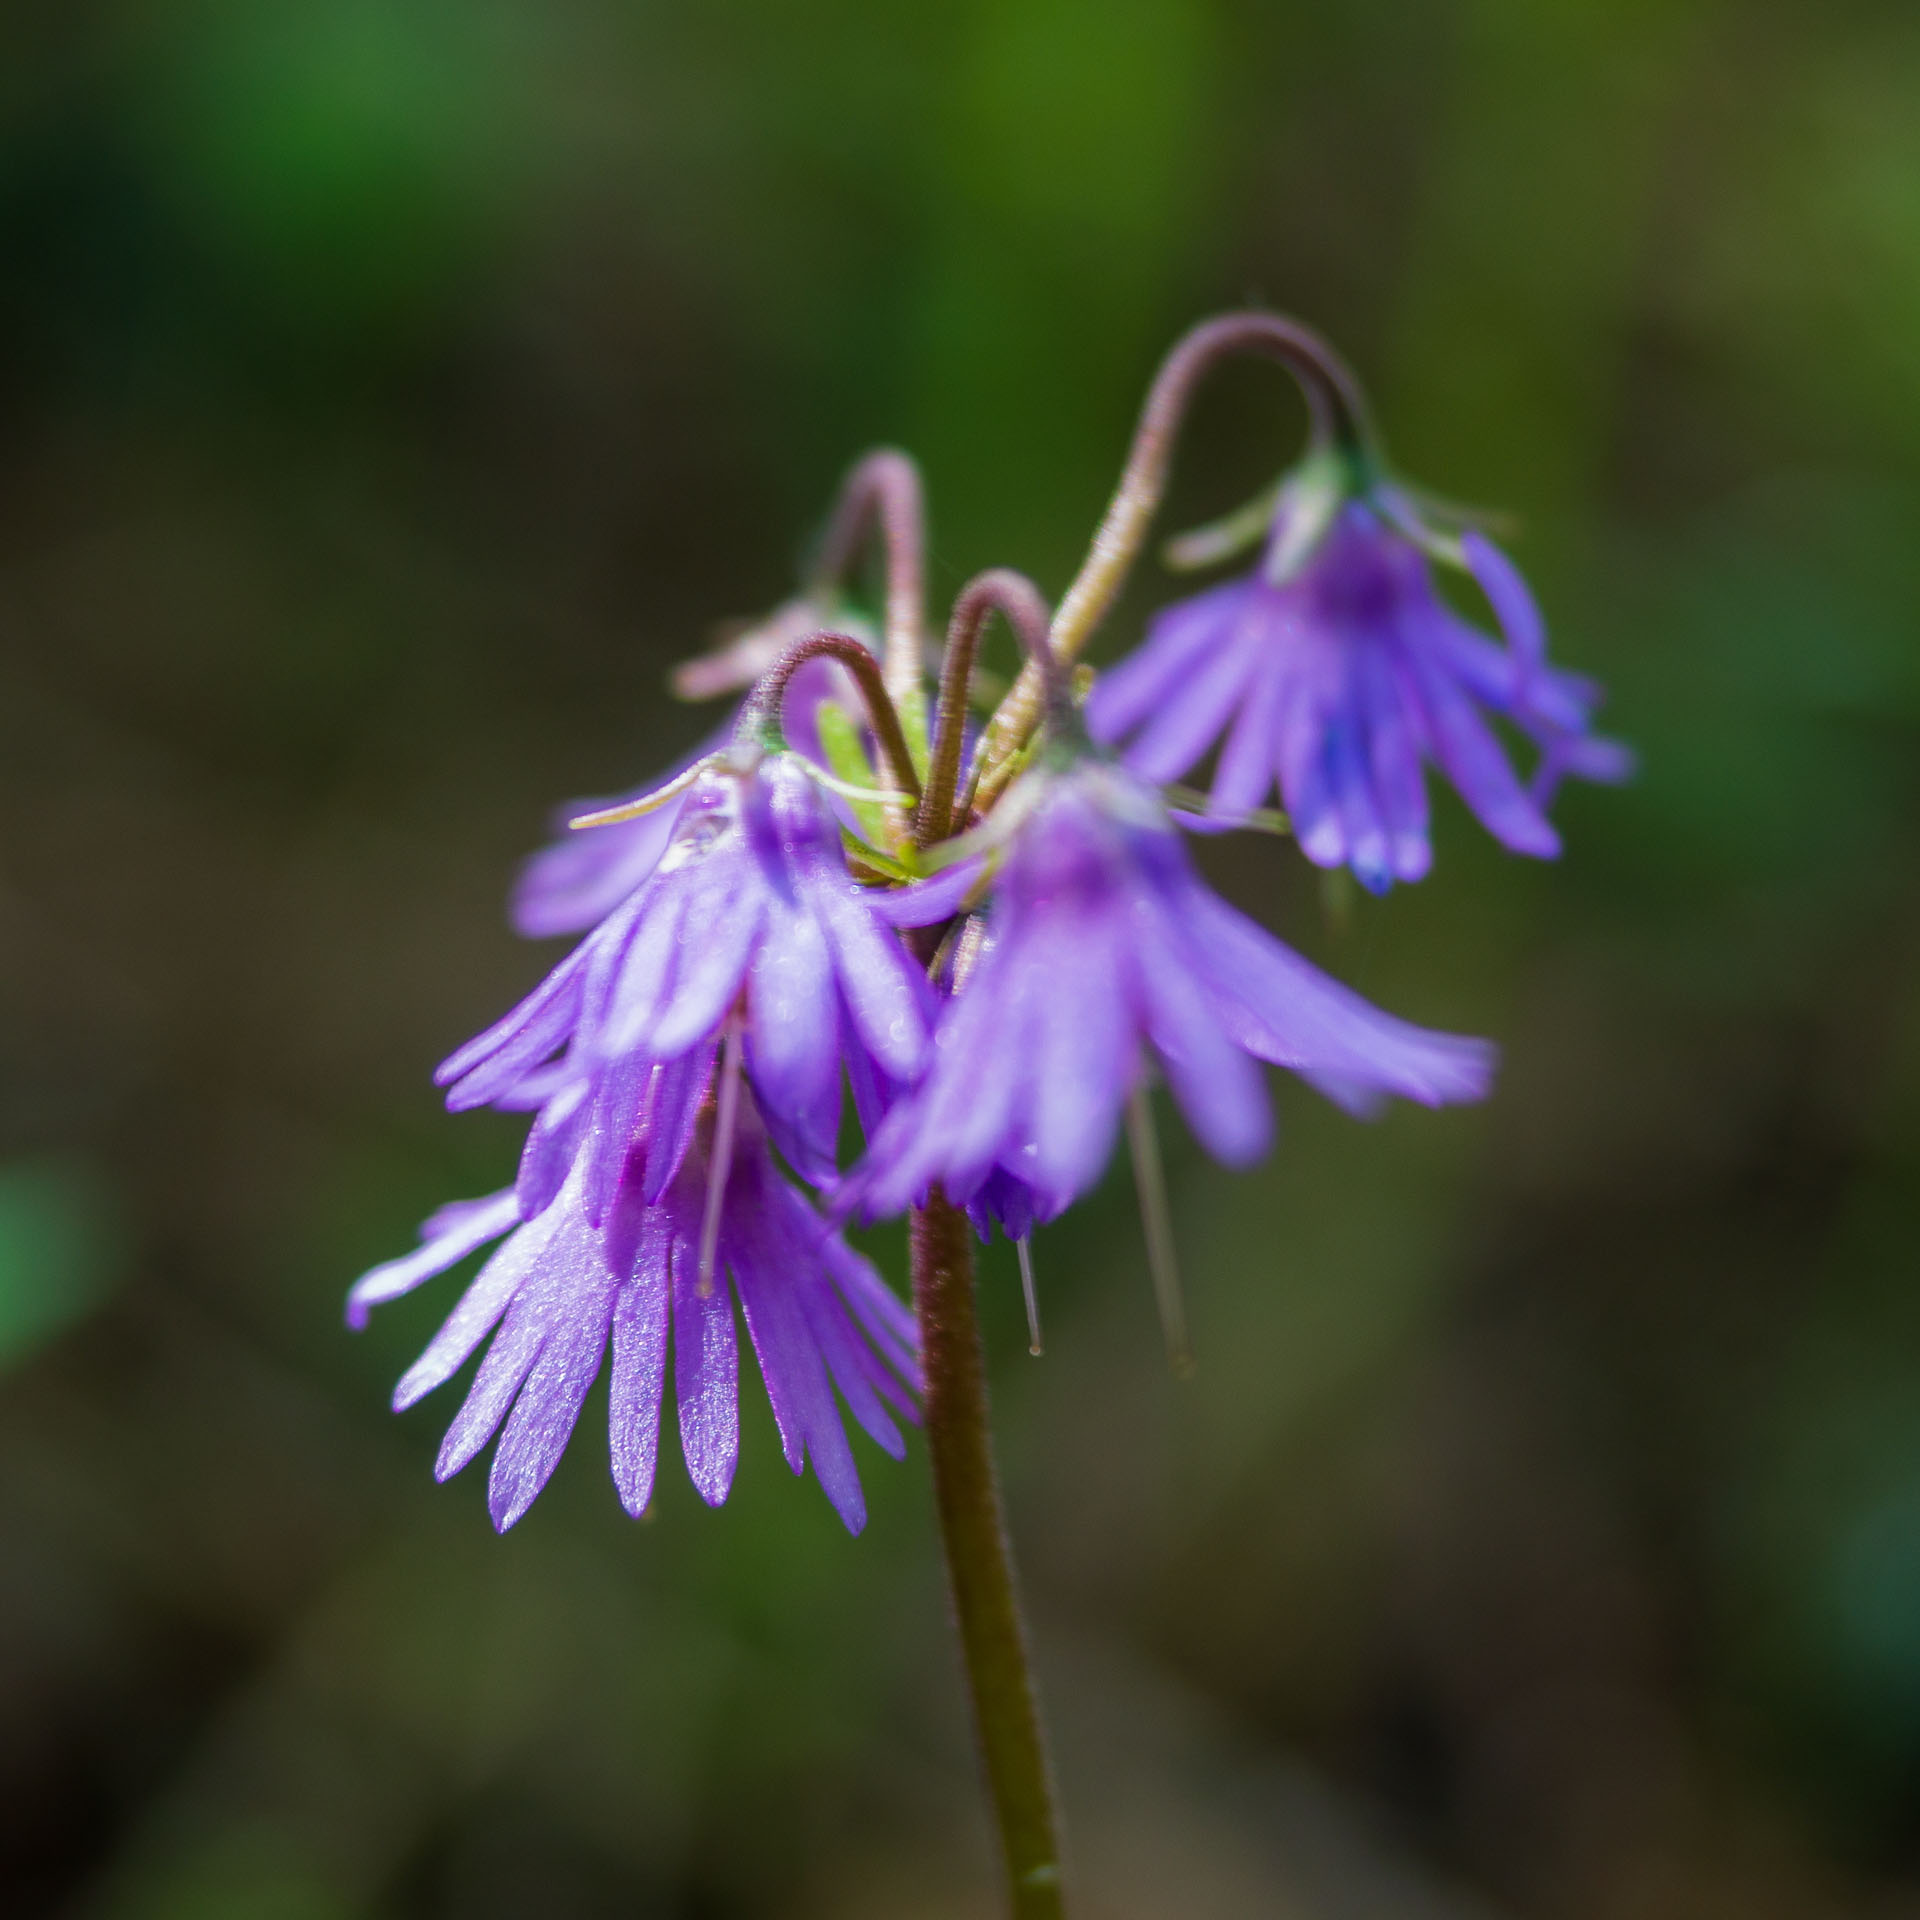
(882, 496)
(573, 883)
(1336, 673)
(561, 1291)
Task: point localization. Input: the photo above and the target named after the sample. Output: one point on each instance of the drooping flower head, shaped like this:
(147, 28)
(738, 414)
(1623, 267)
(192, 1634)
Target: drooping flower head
(745, 963)
(562, 1290)
(1105, 952)
(1003, 1199)
(1336, 673)
(749, 915)
(713, 1013)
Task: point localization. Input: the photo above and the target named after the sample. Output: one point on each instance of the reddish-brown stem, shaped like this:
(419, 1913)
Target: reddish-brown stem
(1002, 591)
(1338, 414)
(764, 703)
(884, 489)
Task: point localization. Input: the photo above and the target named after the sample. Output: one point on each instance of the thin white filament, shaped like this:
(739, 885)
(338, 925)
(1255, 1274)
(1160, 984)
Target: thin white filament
(726, 1114)
(1024, 1247)
(1156, 1221)
(647, 802)
(849, 790)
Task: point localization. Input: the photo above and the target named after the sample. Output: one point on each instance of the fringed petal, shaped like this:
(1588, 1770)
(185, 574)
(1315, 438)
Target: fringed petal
(706, 1371)
(453, 1233)
(639, 1368)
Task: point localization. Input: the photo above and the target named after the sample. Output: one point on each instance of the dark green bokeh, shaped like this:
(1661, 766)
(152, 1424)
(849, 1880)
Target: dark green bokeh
(392, 391)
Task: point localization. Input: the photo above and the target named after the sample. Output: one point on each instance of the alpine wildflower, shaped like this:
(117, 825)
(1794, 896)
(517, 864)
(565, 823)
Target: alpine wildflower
(1336, 673)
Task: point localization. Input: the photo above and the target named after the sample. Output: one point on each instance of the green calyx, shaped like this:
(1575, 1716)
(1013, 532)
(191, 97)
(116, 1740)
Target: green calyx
(1302, 504)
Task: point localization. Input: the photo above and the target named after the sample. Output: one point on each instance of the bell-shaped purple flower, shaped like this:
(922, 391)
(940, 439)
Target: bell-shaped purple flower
(1338, 675)
(561, 1291)
(574, 883)
(1002, 1199)
(749, 913)
(579, 879)
(1103, 948)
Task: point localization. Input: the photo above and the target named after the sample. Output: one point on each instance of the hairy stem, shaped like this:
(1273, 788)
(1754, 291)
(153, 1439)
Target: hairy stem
(884, 488)
(1339, 417)
(764, 703)
(980, 1561)
(1000, 590)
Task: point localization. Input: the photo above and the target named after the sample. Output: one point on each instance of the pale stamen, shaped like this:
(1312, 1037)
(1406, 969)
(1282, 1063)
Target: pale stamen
(1024, 1247)
(647, 802)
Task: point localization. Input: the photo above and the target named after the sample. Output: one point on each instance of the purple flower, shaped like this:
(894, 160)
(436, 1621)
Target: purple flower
(1340, 682)
(1104, 946)
(579, 879)
(1002, 1198)
(749, 913)
(561, 1290)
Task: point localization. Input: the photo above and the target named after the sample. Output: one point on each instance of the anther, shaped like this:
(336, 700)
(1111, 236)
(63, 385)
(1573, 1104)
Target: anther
(1024, 1247)
(647, 802)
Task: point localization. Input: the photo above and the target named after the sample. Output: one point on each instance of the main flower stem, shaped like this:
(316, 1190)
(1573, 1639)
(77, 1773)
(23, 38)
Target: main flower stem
(980, 1560)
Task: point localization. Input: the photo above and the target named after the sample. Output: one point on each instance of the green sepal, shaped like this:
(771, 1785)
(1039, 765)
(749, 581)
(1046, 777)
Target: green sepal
(847, 758)
(913, 723)
(872, 867)
(1221, 539)
(1254, 820)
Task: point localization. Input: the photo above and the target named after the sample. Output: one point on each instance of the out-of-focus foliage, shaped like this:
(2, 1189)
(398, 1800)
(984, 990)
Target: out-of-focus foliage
(388, 393)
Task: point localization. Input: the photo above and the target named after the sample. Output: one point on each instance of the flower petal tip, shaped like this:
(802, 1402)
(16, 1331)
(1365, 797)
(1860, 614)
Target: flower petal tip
(849, 1504)
(506, 1518)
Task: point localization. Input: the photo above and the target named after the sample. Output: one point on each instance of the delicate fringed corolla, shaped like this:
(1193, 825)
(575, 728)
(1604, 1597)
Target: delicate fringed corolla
(647, 1176)
(749, 915)
(1102, 948)
(1336, 672)
(561, 1291)
(1002, 1199)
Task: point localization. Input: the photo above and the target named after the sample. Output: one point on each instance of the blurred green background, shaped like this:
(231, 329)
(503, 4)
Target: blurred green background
(391, 389)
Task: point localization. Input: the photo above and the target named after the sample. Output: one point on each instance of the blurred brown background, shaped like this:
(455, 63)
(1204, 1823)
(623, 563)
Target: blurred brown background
(391, 389)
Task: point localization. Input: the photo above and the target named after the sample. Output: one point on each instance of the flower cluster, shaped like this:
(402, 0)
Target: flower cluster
(993, 958)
